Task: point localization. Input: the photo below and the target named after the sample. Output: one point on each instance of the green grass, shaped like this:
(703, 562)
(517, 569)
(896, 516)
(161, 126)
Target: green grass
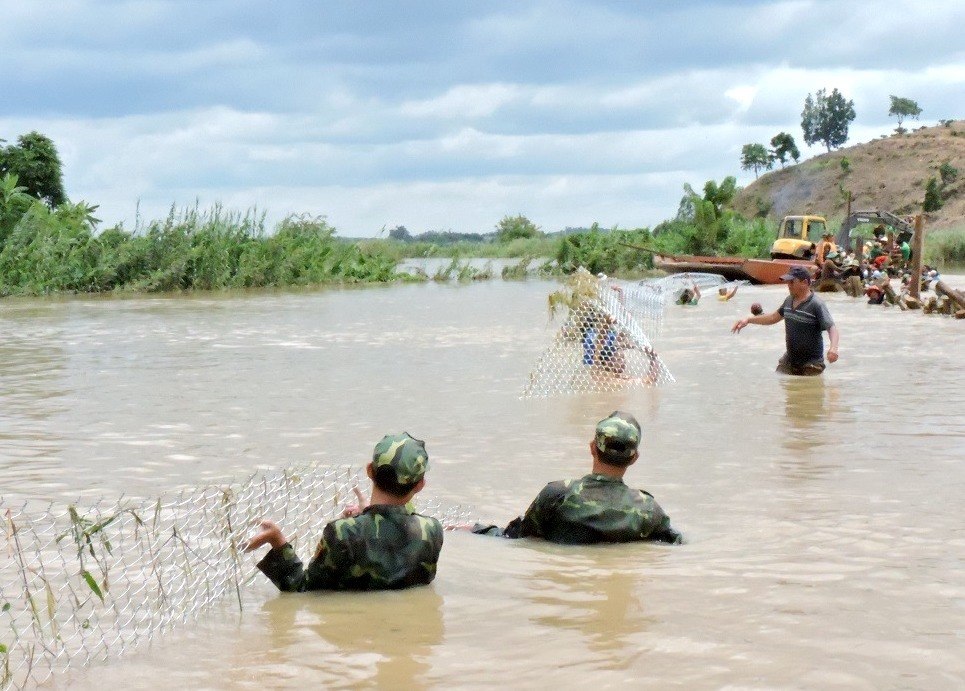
(945, 248)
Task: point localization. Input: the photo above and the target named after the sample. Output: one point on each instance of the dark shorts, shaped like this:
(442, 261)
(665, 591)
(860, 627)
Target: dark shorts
(808, 369)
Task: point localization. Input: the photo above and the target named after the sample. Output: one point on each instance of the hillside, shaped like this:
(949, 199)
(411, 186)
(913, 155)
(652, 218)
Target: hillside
(888, 173)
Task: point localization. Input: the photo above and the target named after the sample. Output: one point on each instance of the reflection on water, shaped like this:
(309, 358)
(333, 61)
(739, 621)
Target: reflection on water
(33, 391)
(595, 593)
(351, 645)
(825, 544)
(809, 404)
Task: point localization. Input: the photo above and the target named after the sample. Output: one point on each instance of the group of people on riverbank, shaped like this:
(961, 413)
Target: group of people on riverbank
(881, 255)
(877, 284)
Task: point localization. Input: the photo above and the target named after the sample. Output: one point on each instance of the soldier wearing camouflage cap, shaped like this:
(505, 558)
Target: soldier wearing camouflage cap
(382, 546)
(598, 507)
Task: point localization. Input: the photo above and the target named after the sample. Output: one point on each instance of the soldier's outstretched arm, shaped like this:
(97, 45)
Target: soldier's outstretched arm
(270, 535)
(286, 570)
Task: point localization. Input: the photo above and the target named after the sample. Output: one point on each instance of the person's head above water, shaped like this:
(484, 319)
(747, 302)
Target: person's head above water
(798, 280)
(399, 464)
(616, 439)
(797, 273)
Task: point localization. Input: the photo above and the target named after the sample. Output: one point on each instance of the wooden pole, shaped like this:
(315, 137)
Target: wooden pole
(954, 295)
(917, 244)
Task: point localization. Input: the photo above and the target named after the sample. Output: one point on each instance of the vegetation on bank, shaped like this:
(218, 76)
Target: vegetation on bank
(56, 250)
(945, 248)
(49, 244)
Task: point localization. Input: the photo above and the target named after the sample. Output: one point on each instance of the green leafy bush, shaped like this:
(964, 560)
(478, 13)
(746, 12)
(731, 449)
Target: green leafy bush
(933, 196)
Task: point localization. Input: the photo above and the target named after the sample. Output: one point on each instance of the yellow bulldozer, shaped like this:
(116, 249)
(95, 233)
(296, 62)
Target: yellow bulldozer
(798, 237)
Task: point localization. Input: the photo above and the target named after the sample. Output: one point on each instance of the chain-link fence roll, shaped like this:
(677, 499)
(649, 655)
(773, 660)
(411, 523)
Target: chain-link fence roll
(80, 585)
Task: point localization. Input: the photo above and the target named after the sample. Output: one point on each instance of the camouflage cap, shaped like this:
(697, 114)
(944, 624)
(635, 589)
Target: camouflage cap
(405, 454)
(618, 435)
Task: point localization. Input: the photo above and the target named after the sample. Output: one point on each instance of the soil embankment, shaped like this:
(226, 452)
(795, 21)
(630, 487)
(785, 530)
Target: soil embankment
(888, 173)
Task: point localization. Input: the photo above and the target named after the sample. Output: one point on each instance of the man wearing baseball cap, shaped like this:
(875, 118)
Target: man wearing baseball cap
(385, 546)
(598, 507)
(805, 317)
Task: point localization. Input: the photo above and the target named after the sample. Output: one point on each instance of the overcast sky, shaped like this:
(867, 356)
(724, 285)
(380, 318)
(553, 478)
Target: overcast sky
(449, 115)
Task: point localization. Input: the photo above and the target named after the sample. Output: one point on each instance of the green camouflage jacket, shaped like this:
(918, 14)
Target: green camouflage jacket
(385, 547)
(595, 508)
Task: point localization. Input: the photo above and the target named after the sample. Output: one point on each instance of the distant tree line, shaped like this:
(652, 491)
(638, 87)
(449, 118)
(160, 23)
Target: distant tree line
(508, 229)
(438, 237)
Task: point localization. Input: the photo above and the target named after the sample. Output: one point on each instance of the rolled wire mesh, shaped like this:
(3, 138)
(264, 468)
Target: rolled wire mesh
(85, 585)
(601, 347)
(673, 285)
(647, 299)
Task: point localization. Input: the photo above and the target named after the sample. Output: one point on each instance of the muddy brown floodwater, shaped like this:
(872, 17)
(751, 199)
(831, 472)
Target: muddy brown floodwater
(826, 542)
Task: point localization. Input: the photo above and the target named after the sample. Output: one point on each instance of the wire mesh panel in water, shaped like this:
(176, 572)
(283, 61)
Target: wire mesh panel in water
(672, 286)
(600, 347)
(85, 585)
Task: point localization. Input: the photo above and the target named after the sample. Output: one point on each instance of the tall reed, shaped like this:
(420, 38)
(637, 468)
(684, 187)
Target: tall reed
(57, 250)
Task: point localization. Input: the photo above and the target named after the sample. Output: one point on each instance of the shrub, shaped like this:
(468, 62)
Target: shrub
(947, 172)
(933, 196)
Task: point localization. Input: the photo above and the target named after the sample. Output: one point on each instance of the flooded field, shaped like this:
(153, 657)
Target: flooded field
(825, 544)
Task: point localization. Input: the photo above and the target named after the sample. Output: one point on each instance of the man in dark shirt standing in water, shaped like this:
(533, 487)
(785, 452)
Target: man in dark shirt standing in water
(805, 317)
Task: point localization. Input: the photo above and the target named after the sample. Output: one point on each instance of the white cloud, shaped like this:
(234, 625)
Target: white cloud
(742, 95)
(464, 102)
(571, 112)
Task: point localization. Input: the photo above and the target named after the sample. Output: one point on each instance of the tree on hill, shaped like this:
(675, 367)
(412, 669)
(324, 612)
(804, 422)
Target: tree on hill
(826, 118)
(783, 147)
(754, 157)
(512, 227)
(34, 160)
(902, 108)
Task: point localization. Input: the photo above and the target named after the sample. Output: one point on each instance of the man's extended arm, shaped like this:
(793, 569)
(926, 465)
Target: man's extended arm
(763, 320)
(527, 525)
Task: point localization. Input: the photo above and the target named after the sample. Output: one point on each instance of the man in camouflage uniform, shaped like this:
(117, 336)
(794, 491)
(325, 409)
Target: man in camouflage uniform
(598, 507)
(386, 546)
